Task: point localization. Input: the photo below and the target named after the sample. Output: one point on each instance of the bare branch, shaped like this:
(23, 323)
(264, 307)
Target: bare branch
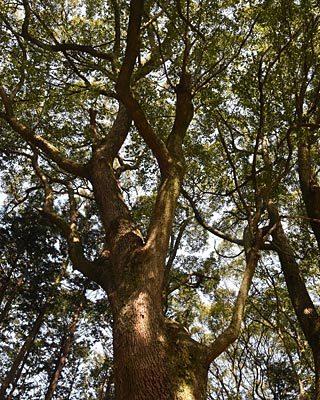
(188, 23)
(177, 242)
(117, 27)
(234, 171)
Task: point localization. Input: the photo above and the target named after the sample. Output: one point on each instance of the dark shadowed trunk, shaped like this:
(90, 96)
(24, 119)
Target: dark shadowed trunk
(310, 189)
(303, 305)
(4, 285)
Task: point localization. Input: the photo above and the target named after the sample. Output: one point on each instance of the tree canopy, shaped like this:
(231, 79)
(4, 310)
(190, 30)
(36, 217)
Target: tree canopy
(159, 160)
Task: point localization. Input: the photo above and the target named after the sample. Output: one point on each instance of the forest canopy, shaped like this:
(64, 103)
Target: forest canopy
(160, 226)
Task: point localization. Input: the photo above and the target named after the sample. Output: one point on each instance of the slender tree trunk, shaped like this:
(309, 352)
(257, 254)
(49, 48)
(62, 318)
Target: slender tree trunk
(302, 303)
(5, 283)
(105, 389)
(28, 343)
(4, 313)
(66, 345)
(72, 381)
(13, 384)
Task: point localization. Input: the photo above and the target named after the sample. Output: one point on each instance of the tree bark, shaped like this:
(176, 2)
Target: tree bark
(66, 345)
(303, 306)
(154, 358)
(310, 189)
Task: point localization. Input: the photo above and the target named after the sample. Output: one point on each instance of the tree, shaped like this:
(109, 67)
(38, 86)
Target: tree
(201, 83)
(45, 310)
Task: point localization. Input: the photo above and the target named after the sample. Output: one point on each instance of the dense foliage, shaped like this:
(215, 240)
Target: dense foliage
(158, 160)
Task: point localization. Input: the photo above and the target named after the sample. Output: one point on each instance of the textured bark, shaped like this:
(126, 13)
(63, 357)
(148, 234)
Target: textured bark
(140, 372)
(154, 358)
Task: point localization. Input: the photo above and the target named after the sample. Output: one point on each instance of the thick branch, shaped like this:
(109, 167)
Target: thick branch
(163, 213)
(310, 189)
(38, 141)
(76, 253)
(106, 188)
(118, 133)
(232, 332)
(124, 91)
(68, 230)
(183, 116)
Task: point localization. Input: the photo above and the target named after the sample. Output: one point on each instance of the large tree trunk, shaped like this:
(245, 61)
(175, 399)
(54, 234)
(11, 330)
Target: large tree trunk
(153, 358)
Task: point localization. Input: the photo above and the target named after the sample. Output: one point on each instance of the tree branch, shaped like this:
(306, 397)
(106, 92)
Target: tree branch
(224, 340)
(123, 89)
(302, 303)
(59, 47)
(215, 231)
(68, 230)
(310, 189)
(38, 141)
